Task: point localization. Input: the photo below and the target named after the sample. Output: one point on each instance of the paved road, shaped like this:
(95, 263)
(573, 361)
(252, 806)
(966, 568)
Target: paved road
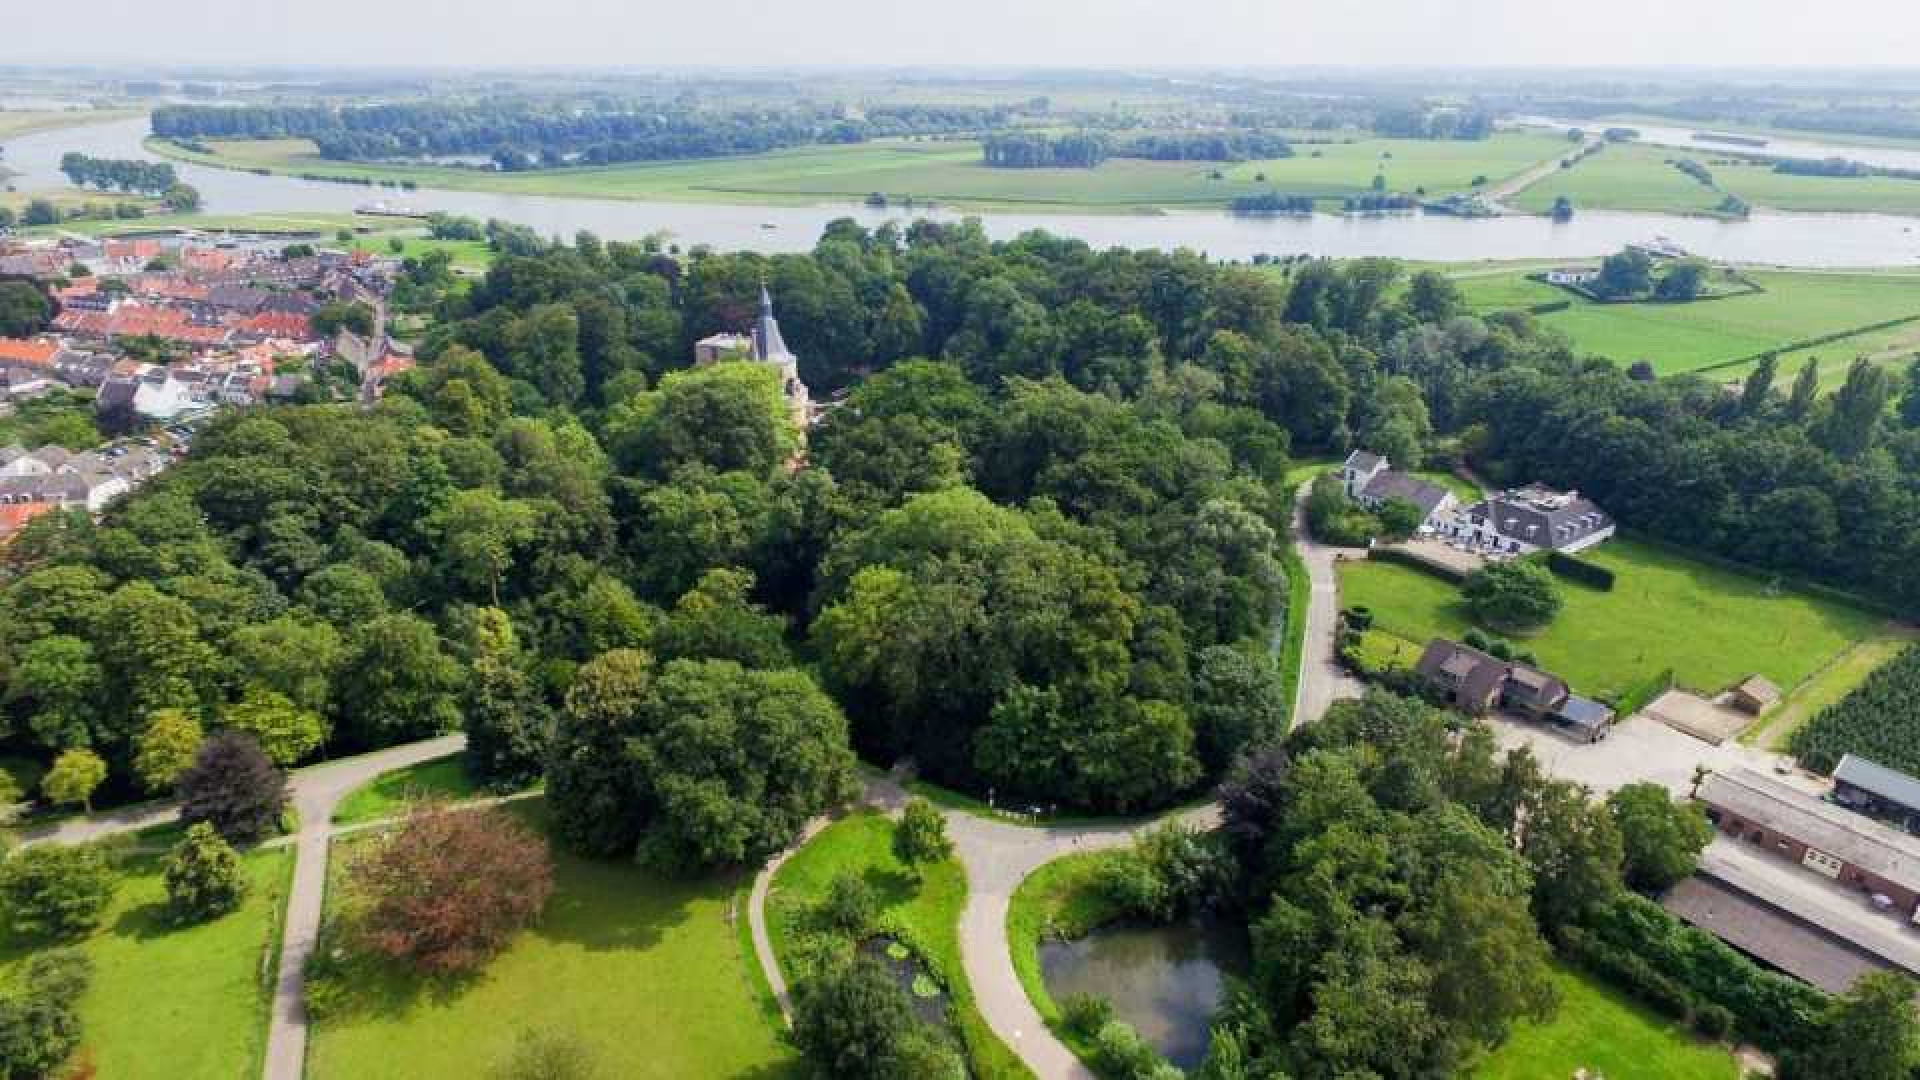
(1507, 189)
(316, 792)
(998, 857)
(1322, 682)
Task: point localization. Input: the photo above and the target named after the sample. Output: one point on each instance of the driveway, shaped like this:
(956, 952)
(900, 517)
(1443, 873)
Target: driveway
(1322, 681)
(1637, 749)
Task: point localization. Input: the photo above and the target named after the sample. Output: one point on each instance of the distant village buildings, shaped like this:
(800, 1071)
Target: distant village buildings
(1512, 522)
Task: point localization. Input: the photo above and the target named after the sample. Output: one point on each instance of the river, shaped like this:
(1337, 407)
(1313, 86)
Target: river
(1799, 240)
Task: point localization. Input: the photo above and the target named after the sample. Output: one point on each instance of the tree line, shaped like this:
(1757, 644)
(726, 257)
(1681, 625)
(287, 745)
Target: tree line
(1086, 150)
(117, 174)
(522, 135)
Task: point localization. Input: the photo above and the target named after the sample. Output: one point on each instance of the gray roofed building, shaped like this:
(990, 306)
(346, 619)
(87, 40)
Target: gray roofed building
(1393, 484)
(1834, 840)
(1532, 518)
(1771, 935)
(1584, 716)
(1873, 787)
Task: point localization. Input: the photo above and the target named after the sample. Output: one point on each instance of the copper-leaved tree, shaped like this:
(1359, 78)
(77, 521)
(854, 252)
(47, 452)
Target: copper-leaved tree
(449, 888)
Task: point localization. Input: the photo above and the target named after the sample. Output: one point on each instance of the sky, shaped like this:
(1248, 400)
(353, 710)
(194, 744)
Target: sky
(894, 33)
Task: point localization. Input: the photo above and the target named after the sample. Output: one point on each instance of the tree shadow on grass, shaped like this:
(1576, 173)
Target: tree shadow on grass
(614, 904)
(145, 922)
(890, 887)
(772, 1070)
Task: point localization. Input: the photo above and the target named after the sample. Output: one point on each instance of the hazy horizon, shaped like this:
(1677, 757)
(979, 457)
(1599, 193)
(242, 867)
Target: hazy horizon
(1091, 34)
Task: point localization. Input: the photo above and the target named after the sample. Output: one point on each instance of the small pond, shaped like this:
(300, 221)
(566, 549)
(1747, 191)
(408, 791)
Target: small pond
(929, 1000)
(1163, 980)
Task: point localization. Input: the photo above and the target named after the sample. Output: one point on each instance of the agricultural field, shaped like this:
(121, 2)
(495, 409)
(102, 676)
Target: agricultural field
(1711, 626)
(170, 1001)
(924, 910)
(1602, 1032)
(1876, 719)
(1795, 306)
(648, 971)
(1826, 687)
(70, 199)
(1638, 177)
(947, 172)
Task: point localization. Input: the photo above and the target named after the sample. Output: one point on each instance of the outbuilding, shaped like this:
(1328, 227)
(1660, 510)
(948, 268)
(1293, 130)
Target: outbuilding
(1754, 695)
(1873, 788)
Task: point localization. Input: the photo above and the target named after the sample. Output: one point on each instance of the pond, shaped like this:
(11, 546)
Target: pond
(899, 961)
(1166, 981)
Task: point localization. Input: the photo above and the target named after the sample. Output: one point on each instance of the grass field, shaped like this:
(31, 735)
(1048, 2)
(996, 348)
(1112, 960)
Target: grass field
(1711, 626)
(1638, 177)
(172, 1001)
(1794, 306)
(647, 971)
(69, 198)
(388, 795)
(1894, 347)
(1622, 177)
(1602, 1032)
(925, 911)
(946, 172)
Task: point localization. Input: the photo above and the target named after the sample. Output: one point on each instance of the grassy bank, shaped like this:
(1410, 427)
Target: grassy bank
(923, 909)
(17, 122)
(647, 971)
(1056, 902)
(170, 1001)
(388, 795)
(1711, 626)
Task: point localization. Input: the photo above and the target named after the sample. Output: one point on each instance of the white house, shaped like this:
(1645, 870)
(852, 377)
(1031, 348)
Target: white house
(1531, 518)
(1573, 275)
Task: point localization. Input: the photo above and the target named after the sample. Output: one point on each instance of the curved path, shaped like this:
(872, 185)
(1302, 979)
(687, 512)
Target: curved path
(998, 855)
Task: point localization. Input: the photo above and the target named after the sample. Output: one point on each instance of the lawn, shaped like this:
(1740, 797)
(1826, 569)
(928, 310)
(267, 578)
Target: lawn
(170, 1001)
(1638, 177)
(1599, 1030)
(469, 256)
(1795, 306)
(926, 912)
(388, 795)
(947, 172)
(1711, 626)
(1056, 902)
(648, 971)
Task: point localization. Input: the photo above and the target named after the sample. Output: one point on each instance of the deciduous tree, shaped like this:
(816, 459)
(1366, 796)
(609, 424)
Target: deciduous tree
(203, 876)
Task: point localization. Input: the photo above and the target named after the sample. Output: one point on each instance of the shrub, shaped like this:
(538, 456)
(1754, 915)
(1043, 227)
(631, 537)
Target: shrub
(1713, 1021)
(203, 876)
(541, 1054)
(921, 835)
(1120, 1053)
(1512, 596)
(233, 787)
(75, 776)
(1085, 1014)
(55, 891)
(447, 889)
(849, 906)
(1580, 570)
(39, 1013)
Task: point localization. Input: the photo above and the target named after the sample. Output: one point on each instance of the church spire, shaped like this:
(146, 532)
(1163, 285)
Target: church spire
(767, 342)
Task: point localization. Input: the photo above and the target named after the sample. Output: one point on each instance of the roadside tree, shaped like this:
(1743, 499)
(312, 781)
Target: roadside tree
(233, 786)
(75, 776)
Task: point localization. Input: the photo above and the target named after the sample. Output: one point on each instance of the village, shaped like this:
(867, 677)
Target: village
(164, 330)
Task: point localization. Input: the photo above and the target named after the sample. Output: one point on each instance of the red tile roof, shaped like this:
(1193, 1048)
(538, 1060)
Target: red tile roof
(32, 353)
(14, 516)
(280, 324)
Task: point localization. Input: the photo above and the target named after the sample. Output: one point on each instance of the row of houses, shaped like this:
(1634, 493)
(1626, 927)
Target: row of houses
(1512, 522)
